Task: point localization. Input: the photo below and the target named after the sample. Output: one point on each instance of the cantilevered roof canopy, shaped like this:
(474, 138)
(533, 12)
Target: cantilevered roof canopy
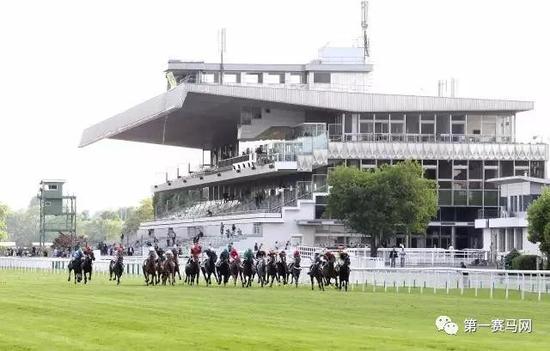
(202, 115)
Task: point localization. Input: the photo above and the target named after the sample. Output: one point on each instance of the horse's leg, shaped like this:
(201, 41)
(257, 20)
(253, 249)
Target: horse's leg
(69, 276)
(312, 285)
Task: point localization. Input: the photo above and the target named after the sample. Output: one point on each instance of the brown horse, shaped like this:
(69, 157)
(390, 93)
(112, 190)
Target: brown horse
(150, 271)
(236, 270)
(169, 270)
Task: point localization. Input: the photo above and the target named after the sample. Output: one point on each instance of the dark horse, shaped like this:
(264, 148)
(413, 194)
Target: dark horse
(236, 270)
(261, 269)
(208, 267)
(282, 269)
(294, 270)
(150, 271)
(223, 271)
(344, 270)
(87, 266)
(116, 267)
(169, 270)
(316, 272)
(75, 265)
(248, 272)
(192, 270)
(329, 272)
(271, 269)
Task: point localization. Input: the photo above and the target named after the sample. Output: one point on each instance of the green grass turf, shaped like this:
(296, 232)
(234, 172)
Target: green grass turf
(40, 311)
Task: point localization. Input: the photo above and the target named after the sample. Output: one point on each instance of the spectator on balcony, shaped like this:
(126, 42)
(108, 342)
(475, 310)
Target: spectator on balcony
(233, 229)
(402, 256)
(221, 229)
(393, 256)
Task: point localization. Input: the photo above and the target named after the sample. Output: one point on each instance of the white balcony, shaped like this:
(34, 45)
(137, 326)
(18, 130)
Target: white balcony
(437, 150)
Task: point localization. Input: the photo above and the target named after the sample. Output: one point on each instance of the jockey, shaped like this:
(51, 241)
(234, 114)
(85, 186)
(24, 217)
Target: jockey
(234, 254)
(329, 256)
(344, 256)
(77, 254)
(153, 254)
(260, 254)
(196, 250)
(248, 255)
(87, 250)
(282, 255)
(175, 250)
(224, 255)
(296, 254)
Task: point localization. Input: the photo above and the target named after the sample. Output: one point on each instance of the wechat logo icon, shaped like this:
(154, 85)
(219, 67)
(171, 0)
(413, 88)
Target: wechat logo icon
(444, 323)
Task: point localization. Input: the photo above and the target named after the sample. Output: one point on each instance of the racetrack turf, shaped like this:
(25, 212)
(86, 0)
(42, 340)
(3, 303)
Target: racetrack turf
(42, 311)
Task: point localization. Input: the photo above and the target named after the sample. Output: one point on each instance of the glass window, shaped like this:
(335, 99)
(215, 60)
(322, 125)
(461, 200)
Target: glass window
(443, 124)
(475, 198)
(460, 197)
(321, 77)
(491, 198)
(458, 118)
(427, 128)
(397, 116)
(445, 185)
(489, 125)
(474, 125)
(366, 117)
(381, 127)
(397, 128)
(445, 169)
(459, 185)
(427, 117)
(412, 123)
(475, 185)
(506, 168)
(445, 197)
(475, 170)
(366, 127)
(537, 169)
(458, 129)
(460, 174)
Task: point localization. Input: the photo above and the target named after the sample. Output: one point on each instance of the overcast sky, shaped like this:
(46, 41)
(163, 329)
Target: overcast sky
(65, 65)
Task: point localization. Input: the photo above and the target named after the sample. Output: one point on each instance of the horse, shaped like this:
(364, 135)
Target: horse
(116, 267)
(236, 270)
(150, 271)
(87, 266)
(247, 273)
(282, 269)
(343, 273)
(316, 272)
(209, 266)
(176, 262)
(261, 270)
(75, 265)
(271, 269)
(294, 270)
(223, 271)
(169, 270)
(192, 270)
(329, 272)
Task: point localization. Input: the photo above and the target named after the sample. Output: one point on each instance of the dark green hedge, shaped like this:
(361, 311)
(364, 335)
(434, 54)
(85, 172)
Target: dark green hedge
(525, 262)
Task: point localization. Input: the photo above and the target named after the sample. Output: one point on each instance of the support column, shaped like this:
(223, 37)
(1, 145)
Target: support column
(453, 237)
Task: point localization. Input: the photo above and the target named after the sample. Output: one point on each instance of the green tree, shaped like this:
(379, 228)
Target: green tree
(102, 226)
(23, 225)
(538, 217)
(137, 216)
(384, 201)
(3, 216)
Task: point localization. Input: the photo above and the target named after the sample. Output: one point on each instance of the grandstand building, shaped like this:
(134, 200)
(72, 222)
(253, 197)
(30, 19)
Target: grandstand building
(272, 133)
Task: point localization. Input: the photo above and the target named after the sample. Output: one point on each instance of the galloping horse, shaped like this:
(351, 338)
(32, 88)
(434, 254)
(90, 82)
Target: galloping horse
(223, 271)
(169, 269)
(344, 272)
(282, 269)
(329, 272)
(294, 270)
(150, 271)
(261, 270)
(116, 267)
(236, 270)
(209, 266)
(316, 272)
(75, 265)
(248, 271)
(192, 270)
(271, 269)
(87, 266)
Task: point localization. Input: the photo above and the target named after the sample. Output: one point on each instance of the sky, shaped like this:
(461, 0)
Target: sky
(65, 65)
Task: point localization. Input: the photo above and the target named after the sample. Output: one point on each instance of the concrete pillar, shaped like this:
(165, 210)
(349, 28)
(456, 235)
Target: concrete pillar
(287, 78)
(453, 237)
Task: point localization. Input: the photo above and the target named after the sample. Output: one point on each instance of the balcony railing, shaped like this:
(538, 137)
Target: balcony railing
(415, 138)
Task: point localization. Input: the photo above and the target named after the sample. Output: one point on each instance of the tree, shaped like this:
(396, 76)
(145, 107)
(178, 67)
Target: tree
(23, 225)
(384, 201)
(538, 217)
(102, 226)
(137, 216)
(3, 216)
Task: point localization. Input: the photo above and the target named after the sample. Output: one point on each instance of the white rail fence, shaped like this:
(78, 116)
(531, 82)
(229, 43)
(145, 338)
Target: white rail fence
(425, 279)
